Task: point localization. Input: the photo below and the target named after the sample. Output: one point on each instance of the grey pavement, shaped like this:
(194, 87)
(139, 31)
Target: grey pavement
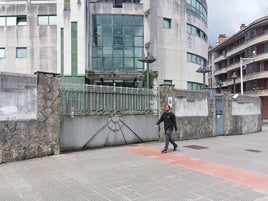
(116, 173)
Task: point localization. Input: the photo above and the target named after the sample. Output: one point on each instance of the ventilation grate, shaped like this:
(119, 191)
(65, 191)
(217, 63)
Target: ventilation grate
(195, 147)
(253, 150)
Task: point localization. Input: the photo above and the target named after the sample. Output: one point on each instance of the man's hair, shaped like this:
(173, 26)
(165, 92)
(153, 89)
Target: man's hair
(165, 105)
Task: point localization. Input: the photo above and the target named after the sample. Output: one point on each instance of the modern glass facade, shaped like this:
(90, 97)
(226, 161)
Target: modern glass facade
(118, 42)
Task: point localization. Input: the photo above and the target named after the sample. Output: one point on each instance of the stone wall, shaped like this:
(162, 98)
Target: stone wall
(196, 115)
(22, 138)
(194, 112)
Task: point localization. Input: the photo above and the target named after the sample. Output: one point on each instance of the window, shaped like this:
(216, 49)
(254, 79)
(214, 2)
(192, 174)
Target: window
(196, 32)
(74, 52)
(67, 4)
(47, 20)
(167, 23)
(194, 86)
(2, 21)
(21, 20)
(196, 59)
(118, 42)
(197, 9)
(11, 21)
(168, 82)
(21, 52)
(2, 53)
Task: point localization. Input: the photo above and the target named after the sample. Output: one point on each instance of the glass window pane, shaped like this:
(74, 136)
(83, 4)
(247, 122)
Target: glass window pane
(97, 52)
(11, 21)
(118, 19)
(118, 53)
(21, 20)
(107, 63)
(2, 21)
(96, 19)
(118, 30)
(118, 62)
(2, 52)
(129, 63)
(106, 19)
(53, 20)
(107, 30)
(107, 41)
(96, 63)
(108, 51)
(128, 30)
(138, 52)
(128, 20)
(128, 41)
(128, 52)
(138, 41)
(138, 30)
(21, 52)
(43, 20)
(118, 42)
(139, 65)
(166, 23)
(138, 20)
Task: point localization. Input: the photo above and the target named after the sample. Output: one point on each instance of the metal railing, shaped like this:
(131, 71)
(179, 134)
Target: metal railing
(83, 100)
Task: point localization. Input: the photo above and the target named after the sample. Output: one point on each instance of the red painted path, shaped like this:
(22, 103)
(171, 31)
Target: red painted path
(247, 178)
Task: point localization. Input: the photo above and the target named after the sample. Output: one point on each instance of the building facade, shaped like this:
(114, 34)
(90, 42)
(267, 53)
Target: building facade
(100, 41)
(240, 63)
(28, 36)
(112, 35)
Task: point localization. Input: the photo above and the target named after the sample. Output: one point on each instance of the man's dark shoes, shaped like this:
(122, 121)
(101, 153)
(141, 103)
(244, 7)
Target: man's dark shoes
(175, 147)
(164, 151)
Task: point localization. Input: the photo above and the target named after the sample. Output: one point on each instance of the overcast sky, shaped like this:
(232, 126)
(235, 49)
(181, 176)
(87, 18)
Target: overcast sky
(225, 17)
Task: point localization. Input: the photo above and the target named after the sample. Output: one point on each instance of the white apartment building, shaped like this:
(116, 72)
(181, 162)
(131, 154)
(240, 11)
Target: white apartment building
(240, 62)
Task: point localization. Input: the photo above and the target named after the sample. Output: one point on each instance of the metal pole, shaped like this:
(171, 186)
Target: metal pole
(241, 75)
(147, 76)
(204, 80)
(234, 86)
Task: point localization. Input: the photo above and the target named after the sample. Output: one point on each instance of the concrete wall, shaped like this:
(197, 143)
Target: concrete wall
(18, 97)
(196, 115)
(30, 123)
(99, 131)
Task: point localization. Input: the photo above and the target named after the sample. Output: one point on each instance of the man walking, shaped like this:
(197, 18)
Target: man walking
(170, 123)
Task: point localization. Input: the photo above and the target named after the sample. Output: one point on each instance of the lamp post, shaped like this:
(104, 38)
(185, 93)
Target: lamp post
(203, 69)
(220, 84)
(241, 68)
(234, 77)
(148, 59)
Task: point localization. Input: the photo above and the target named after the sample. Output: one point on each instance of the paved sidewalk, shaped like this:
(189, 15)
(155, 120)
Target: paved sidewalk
(232, 168)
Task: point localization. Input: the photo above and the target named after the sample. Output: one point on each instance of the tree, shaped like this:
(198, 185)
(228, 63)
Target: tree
(151, 79)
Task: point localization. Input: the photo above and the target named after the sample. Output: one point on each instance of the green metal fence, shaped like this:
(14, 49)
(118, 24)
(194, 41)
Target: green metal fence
(83, 100)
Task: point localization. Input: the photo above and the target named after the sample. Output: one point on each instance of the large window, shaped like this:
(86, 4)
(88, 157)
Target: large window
(119, 3)
(197, 9)
(74, 53)
(194, 86)
(117, 42)
(13, 20)
(192, 30)
(193, 58)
